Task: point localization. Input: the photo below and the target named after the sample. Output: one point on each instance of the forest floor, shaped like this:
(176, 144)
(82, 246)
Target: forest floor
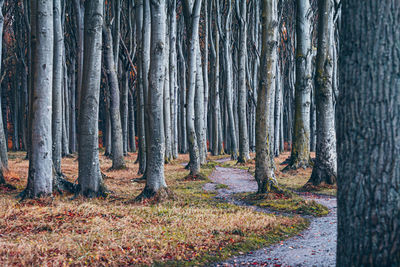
(315, 246)
(195, 228)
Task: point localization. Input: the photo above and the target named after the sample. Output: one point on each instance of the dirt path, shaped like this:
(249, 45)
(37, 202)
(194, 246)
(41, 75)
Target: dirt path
(315, 246)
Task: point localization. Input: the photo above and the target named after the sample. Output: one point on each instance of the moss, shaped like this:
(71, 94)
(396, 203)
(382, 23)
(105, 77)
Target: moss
(221, 186)
(285, 203)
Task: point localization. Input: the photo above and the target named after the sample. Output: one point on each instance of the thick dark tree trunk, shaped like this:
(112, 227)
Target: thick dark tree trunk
(368, 135)
(90, 178)
(118, 161)
(325, 166)
(40, 177)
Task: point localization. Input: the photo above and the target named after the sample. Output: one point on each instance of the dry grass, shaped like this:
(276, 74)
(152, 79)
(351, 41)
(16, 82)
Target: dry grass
(193, 229)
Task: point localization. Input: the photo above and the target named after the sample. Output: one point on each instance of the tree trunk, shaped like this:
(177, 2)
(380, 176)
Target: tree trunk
(155, 182)
(199, 108)
(173, 64)
(325, 167)
(125, 109)
(3, 141)
(72, 110)
(265, 166)
(167, 103)
(79, 13)
(57, 117)
(205, 79)
(229, 83)
(3, 148)
(90, 178)
(40, 177)
(182, 91)
(140, 83)
(244, 155)
(216, 115)
(117, 145)
(368, 134)
(300, 156)
(132, 132)
(192, 19)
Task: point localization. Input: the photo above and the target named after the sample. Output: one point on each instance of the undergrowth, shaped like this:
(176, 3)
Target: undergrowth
(193, 229)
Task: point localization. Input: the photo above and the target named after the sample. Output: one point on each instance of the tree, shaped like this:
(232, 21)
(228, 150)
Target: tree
(325, 167)
(265, 165)
(368, 134)
(90, 178)
(118, 161)
(141, 16)
(300, 156)
(57, 88)
(156, 186)
(244, 155)
(192, 19)
(40, 177)
(3, 143)
(228, 68)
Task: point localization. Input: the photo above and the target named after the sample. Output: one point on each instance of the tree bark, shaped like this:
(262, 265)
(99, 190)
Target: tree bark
(265, 165)
(368, 134)
(57, 117)
(3, 141)
(117, 145)
(300, 155)
(40, 177)
(192, 19)
(173, 64)
(140, 83)
(244, 155)
(325, 168)
(155, 181)
(229, 91)
(90, 178)
(167, 103)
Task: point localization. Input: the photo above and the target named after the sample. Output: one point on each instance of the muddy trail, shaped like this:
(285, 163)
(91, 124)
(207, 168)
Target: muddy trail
(315, 246)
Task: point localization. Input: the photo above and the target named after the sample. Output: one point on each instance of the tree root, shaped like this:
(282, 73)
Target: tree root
(151, 196)
(195, 177)
(295, 164)
(139, 180)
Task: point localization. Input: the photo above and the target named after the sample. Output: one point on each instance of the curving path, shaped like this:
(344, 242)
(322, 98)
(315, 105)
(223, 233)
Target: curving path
(315, 246)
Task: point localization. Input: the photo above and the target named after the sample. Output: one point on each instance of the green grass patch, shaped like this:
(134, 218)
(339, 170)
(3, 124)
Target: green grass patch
(285, 203)
(221, 186)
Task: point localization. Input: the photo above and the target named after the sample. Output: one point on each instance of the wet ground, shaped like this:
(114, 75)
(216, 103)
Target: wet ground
(315, 246)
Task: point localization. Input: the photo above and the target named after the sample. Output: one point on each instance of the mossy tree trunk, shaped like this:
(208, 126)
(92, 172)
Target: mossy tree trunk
(265, 165)
(325, 167)
(300, 156)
